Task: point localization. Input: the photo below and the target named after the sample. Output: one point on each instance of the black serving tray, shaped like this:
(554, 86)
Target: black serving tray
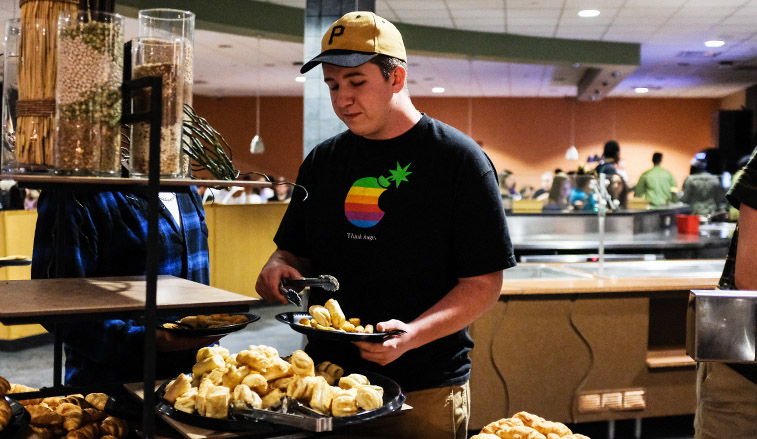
(19, 419)
(297, 418)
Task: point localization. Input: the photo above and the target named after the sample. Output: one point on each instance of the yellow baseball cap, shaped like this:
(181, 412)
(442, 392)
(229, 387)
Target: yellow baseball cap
(356, 38)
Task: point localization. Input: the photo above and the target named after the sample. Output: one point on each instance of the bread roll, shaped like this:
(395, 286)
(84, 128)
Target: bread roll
(208, 364)
(321, 396)
(255, 359)
(369, 397)
(210, 351)
(279, 368)
(5, 386)
(89, 431)
(258, 383)
(42, 432)
(330, 371)
(244, 393)
(73, 415)
(521, 432)
(344, 404)
(217, 402)
(43, 415)
(302, 364)
(234, 375)
(177, 387)
(335, 311)
(91, 414)
(352, 380)
(186, 402)
(485, 436)
(114, 426)
(272, 400)
(5, 413)
(321, 315)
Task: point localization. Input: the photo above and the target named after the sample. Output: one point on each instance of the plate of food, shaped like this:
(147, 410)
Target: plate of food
(256, 390)
(301, 322)
(18, 417)
(209, 324)
(329, 323)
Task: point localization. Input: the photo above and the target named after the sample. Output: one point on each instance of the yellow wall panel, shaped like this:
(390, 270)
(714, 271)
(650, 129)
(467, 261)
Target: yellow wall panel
(241, 242)
(17, 238)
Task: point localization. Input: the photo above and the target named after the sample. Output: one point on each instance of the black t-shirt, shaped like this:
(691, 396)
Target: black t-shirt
(397, 222)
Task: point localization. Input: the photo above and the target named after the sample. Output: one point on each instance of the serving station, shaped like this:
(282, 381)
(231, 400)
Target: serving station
(578, 346)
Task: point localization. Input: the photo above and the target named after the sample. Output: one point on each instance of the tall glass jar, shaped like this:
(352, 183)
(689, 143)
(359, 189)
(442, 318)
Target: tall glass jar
(88, 94)
(11, 42)
(171, 24)
(163, 58)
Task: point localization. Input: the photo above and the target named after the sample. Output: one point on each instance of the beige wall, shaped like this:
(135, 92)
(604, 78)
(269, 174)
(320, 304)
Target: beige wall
(735, 101)
(526, 135)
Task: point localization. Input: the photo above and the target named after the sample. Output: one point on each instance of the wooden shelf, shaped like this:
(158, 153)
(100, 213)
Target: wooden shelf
(659, 359)
(51, 300)
(46, 179)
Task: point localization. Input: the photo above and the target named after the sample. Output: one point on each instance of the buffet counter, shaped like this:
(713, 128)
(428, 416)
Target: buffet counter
(576, 347)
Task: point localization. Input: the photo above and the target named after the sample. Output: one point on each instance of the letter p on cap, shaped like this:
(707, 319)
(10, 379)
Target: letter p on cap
(336, 32)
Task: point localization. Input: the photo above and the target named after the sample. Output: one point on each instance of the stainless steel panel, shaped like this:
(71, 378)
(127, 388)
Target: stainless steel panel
(670, 268)
(541, 271)
(722, 326)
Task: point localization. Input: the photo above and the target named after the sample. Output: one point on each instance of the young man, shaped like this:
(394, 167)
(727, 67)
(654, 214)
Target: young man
(656, 185)
(405, 212)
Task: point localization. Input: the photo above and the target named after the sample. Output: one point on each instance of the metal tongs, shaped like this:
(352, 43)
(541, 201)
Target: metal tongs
(292, 287)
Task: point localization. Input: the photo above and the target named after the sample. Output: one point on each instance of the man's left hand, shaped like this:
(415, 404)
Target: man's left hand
(391, 349)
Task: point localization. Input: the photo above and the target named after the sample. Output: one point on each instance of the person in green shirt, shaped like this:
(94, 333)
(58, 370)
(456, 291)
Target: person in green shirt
(657, 184)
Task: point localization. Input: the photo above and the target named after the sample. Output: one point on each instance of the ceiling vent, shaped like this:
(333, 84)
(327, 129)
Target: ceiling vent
(697, 54)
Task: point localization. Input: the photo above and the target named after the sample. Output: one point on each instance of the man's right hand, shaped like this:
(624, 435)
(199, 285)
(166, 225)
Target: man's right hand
(280, 265)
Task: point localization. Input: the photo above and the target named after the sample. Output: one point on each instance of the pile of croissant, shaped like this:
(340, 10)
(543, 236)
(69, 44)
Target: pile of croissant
(524, 425)
(72, 417)
(330, 317)
(261, 379)
(5, 408)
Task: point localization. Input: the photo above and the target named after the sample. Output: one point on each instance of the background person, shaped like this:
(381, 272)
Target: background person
(656, 185)
(559, 194)
(106, 234)
(377, 216)
(702, 189)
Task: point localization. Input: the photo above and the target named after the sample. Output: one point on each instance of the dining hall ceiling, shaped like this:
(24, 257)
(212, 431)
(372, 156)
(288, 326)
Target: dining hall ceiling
(239, 53)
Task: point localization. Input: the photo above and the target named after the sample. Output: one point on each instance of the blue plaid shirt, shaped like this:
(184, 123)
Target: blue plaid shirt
(106, 235)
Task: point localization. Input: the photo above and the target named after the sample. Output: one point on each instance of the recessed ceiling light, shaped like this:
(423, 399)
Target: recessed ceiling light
(714, 43)
(437, 90)
(300, 79)
(641, 90)
(588, 13)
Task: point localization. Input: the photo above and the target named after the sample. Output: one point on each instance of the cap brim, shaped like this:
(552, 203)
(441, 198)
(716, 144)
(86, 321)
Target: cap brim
(341, 58)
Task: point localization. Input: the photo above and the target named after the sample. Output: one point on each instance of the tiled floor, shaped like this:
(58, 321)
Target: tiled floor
(33, 367)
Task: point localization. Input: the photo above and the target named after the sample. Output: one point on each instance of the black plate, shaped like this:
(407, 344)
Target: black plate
(292, 319)
(266, 420)
(223, 330)
(19, 419)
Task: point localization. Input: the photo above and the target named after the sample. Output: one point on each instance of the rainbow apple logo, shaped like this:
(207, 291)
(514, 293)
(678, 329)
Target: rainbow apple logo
(361, 205)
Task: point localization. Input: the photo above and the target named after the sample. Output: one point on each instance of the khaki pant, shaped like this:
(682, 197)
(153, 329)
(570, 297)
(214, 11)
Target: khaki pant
(726, 404)
(441, 413)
